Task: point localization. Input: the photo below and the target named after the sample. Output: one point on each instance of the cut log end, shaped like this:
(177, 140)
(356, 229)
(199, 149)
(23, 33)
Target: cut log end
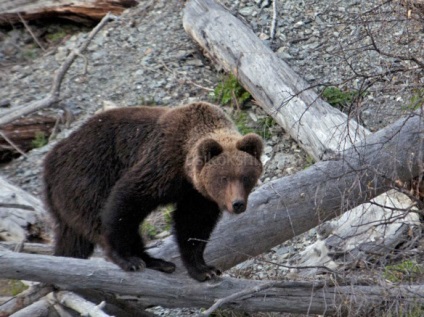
(24, 134)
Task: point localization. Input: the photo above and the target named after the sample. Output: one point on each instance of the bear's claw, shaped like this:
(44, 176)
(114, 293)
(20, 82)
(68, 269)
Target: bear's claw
(204, 273)
(130, 263)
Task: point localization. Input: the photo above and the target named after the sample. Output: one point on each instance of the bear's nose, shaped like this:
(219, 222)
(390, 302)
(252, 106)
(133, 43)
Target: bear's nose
(239, 206)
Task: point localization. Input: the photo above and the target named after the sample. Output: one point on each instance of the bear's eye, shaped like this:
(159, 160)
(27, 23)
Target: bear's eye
(246, 180)
(224, 179)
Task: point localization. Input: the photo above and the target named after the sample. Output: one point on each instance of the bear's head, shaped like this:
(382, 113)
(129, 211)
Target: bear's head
(227, 168)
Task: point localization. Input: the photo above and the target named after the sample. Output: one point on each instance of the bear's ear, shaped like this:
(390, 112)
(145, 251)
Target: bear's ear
(206, 150)
(251, 143)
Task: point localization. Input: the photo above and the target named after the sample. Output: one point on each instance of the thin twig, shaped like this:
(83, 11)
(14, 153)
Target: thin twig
(17, 206)
(30, 32)
(15, 146)
(250, 291)
(77, 52)
(274, 19)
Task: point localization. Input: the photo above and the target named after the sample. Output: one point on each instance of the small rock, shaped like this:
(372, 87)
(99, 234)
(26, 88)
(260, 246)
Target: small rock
(247, 11)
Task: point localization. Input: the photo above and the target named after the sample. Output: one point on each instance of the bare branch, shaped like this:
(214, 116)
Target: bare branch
(53, 97)
(30, 31)
(236, 296)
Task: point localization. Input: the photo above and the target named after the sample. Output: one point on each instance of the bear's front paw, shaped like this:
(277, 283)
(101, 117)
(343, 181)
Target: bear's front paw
(130, 263)
(204, 273)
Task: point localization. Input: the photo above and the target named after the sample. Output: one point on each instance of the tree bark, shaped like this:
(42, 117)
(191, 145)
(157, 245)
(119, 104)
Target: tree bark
(319, 128)
(175, 290)
(12, 11)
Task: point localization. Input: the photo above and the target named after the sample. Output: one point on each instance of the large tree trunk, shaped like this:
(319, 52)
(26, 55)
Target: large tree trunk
(318, 127)
(12, 11)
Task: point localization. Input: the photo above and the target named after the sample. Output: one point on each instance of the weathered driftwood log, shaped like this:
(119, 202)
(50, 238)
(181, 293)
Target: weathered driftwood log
(21, 135)
(13, 11)
(22, 216)
(371, 231)
(318, 127)
(173, 290)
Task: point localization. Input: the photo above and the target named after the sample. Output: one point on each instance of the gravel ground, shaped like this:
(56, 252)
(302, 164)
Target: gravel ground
(145, 57)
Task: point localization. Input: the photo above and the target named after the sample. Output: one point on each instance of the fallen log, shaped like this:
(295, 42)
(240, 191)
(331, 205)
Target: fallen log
(174, 290)
(13, 11)
(21, 135)
(318, 127)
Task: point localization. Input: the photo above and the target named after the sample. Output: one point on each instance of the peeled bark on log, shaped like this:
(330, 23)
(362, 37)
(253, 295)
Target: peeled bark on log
(77, 10)
(22, 133)
(318, 127)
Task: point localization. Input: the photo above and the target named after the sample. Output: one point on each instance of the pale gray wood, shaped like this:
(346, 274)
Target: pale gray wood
(40, 308)
(24, 299)
(21, 214)
(27, 247)
(174, 290)
(318, 127)
(79, 304)
(367, 233)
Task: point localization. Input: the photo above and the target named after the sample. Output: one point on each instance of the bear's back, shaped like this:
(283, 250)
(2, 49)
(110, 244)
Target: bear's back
(90, 161)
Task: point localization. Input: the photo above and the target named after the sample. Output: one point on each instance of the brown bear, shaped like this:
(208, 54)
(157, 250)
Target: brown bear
(107, 176)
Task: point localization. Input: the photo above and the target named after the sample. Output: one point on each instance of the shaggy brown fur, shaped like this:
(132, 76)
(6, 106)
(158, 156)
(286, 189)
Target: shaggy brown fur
(106, 177)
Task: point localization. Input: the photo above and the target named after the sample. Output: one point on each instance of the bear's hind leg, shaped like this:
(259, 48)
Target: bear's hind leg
(71, 244)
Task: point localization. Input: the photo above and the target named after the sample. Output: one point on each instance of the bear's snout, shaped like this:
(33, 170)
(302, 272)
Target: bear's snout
(239, 206)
